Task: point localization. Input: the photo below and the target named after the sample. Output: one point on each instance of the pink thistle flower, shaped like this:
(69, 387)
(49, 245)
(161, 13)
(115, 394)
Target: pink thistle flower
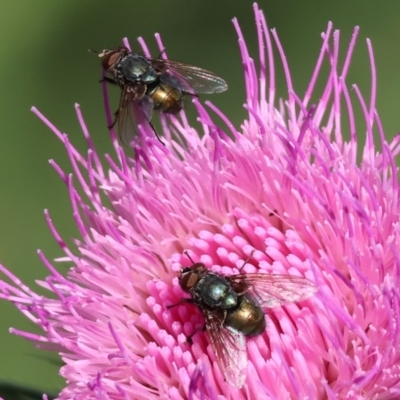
(288, 189)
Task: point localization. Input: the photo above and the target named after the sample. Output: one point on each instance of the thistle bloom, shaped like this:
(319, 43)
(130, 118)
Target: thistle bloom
(287, 189)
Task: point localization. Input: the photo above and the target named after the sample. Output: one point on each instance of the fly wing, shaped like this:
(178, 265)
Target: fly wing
(229, 347)
(272, 290)
(191, 79)
(131, 113)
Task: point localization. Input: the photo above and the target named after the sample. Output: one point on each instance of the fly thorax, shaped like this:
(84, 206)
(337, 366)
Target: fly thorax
(149, 76)
(229, 300)
(214, 291)
(136, 68)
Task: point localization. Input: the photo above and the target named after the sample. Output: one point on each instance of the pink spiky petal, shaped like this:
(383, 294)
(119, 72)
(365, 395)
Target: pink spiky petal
(286, 190)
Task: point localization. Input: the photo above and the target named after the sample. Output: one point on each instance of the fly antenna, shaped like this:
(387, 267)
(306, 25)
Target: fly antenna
(188, 256)
(247, 260)
(163, 51)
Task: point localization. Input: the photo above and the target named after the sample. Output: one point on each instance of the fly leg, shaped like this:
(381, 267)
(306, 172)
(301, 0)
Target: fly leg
(113, 82)
(155, 132)
(189, 338)
(115, 119)
(202, 329)
(182, 301)
(109, 80)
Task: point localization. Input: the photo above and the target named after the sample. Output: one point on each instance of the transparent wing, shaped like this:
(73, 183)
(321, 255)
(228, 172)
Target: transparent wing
(229, 347)
(131, 113)
(272, 290)
(192, 79)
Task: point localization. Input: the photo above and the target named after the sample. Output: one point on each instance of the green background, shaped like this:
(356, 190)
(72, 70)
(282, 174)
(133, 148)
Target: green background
(44, 62)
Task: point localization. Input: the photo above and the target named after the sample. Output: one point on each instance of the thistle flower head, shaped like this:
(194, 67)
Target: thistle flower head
(286, 189)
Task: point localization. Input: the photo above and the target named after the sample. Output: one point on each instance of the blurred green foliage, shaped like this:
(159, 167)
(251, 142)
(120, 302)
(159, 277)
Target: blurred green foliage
(18, 392)
(44, 62)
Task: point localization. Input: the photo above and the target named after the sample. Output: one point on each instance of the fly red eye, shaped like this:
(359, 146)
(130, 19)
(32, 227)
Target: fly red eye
(188, 280)
(190, 276)
(109, 58)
